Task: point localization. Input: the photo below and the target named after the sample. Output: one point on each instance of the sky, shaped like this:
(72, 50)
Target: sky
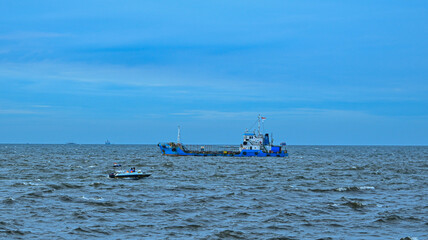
(322, 72)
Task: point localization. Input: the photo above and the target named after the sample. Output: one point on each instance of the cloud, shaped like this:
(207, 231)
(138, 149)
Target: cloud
(283, 113)
(211, 114)
(32, 35)
(41, 106)
(16, 111)
(191, 84)
(139, 76)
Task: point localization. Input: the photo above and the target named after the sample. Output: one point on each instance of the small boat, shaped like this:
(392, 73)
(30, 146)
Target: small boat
(116, 165)
(127, 174)
(107, 142)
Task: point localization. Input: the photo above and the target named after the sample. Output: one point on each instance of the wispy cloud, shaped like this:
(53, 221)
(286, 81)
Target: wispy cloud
(41, 106)
(16, 111)
(280, 114)
(32, 35)
(173, 82)
(212, 114)
(145, 75)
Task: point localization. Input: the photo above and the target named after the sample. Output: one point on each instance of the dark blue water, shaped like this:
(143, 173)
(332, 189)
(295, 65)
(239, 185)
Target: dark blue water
(319, 192)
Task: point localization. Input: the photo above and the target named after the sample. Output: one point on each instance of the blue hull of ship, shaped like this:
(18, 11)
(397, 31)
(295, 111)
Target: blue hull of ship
(170, 151)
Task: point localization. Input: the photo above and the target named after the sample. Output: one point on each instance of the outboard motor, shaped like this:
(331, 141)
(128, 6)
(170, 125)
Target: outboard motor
(266, 139)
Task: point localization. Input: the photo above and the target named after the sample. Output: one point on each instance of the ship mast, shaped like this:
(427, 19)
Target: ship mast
(259, 119)
(178, 135)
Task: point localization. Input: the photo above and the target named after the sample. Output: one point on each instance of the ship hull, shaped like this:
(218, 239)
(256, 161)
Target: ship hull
(170, 150)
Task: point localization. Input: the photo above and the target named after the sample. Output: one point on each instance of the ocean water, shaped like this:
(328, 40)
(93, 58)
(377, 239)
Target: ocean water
(319, 192)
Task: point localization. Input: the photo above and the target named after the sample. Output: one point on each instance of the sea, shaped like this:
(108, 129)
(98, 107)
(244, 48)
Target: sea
(318, 192)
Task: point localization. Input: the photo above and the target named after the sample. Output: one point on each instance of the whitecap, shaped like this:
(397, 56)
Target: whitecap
(30, 184)
(93, 198)
(341, 189)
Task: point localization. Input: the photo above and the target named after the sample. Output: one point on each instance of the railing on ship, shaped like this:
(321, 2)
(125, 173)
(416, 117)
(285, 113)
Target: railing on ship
(211, 148)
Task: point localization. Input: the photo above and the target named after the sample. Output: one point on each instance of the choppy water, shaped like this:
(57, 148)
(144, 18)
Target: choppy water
(319, 192)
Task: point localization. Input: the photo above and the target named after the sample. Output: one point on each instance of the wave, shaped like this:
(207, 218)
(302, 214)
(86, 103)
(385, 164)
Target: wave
(25, 184)
(65, 198)
(191, 226)
(282, 238)
(242, 214)
(79, 229)
(344, 189)
(354, 204)
(228, 234)
(278, 227)
(187, 187)
(119, 209)
(8, 200)
(97, 184)
(389, 218)
(15, 232)
(353, 168)
(168, 164)
(98, 202)
(219, 175)
(80, 215)
(321, 190)
(394, 217)
(64, 186)
(89, 230)
(34, 195)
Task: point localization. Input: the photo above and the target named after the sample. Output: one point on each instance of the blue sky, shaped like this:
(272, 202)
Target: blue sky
(322, 72)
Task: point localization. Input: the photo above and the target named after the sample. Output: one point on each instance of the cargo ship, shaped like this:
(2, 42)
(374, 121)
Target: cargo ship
(254, 144)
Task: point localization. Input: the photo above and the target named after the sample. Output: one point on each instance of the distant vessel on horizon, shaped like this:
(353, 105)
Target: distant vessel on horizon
(255, 144)
(107, 142)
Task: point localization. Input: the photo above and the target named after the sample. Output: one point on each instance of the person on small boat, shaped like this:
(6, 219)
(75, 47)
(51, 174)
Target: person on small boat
(132, 170)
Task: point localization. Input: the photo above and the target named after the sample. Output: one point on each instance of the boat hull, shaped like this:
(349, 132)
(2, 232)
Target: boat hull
(170, 150)
(129, 175)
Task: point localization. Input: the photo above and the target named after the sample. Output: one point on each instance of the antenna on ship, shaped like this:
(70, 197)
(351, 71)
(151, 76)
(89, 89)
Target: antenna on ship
(178, 135)
(259, 119)
(271, 138)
